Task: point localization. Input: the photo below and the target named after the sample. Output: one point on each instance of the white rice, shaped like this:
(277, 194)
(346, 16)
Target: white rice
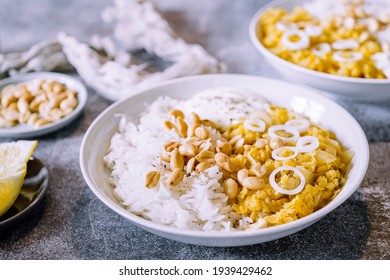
(197, 203)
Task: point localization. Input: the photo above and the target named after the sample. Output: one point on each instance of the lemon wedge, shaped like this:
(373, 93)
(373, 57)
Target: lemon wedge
(13, 168)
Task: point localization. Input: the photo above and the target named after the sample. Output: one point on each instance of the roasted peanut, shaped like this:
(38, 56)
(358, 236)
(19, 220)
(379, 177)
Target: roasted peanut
(41, 122)
(194, 118)
(202, 133)
(188, 150)
(224, 147)
(7, 99)
(175, 114)
(170, 146)
(33, 118)
(205, 156)
(190, 165)
(275, 143)
(202, 166)
(224, 162)
(53, 115)
(209, 123)
(242, 175)
(191, 130)
(259, 170)
(175, 178)
(182, 127)
(152, 179)
(230, 188)
(169, 125)
(24, 117)
(23, 105)
(253, 183)
(165, 157)
(10, 114)
(177, 161)
(261, 143)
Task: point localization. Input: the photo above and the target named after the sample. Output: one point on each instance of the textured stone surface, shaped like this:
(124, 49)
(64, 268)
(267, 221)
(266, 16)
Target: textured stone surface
(72, 223)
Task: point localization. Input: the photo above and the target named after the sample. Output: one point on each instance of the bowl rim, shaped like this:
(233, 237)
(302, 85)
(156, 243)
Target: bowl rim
(259, 46)
(274, 230)
(27, 132)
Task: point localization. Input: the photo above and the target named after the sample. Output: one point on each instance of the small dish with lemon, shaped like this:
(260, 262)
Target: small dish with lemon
(23, 181)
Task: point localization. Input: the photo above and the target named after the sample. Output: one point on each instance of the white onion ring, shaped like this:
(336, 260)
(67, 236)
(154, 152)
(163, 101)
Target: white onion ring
(356, 56)
(299, 124)
(345, 44)
(321, 49)
(303, 141)
(313, 30)
(275, 153)
(250, 124)
(302, 43)
(276, 187)
(272, 133)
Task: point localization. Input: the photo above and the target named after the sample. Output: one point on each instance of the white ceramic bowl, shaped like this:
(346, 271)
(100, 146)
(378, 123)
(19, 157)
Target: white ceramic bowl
(26, 131)
(302, 100)
(353, 89)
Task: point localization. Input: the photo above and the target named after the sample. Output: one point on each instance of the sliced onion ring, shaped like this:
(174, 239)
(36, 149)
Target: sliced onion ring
(313, 30)
(345, 44)
(302, 144)
(272, 132)
(275, 153)
(321, 49)
(276, 187)
(299, 124)
(352, 56)
(255, 125)
(302, 43)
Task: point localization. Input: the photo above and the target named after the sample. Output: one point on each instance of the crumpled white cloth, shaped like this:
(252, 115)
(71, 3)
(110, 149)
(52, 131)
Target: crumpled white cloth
(111, 70)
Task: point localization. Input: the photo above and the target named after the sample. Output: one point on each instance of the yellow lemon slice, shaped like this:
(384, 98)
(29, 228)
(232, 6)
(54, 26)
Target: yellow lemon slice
(13, 168)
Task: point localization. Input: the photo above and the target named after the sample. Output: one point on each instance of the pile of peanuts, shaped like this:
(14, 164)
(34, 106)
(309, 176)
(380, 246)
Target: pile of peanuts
(199, 152)
(36, 103)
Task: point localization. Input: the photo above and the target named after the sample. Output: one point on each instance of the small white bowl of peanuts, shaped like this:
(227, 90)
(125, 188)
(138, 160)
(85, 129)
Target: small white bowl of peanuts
(341, 47)
(36, 104)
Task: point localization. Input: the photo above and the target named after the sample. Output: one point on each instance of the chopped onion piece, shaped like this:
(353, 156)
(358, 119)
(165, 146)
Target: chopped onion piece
(321, 49)
(342, 56)
(307, 144)
(255, 125)
(349, 23)
(302, 43)
(261, 223)
(295, 133)
(275, 153)
(281, 26)
(299, 124)
(345, 44)
(285, 26)
(382, 60)
(313, 30)
(277, 188)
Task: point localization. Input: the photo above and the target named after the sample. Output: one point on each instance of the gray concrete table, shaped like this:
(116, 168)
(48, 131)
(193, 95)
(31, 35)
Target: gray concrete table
(72, 223)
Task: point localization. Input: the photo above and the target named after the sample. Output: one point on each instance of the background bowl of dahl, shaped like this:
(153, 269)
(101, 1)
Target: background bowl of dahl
(346, 88)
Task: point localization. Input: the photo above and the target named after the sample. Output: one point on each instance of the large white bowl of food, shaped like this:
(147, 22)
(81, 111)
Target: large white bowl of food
(339, 46)
(224, 160)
